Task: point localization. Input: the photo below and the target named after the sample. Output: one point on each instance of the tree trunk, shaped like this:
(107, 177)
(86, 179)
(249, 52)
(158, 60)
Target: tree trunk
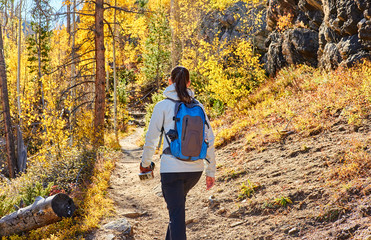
(114, 75)
(38, 40)
(69, 21)
(100, 75)
(10, 149)
(41, 213)
(73, 70)
(11, 21)
(107, 76)
(19, 61)
(22, 152)
(176, 46)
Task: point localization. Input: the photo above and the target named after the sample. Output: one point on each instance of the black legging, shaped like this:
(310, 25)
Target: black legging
(175, 187)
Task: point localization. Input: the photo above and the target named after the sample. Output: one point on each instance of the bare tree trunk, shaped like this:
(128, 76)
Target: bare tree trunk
(114, 74)
(11, 20)
(5, 17)
(107, 76)
(19, 61)
(176, 46)
(69, 21)
(41, 213)
(10, 149)
(22, 152)
(73, 69)
(38, 40)
(100, 75)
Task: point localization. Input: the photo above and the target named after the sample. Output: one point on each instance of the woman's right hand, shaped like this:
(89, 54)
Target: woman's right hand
(210, 181)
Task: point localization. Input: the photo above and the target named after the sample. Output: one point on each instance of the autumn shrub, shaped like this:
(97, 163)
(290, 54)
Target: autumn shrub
(301, 99)
(90, 197)
(284, 22)
(233, 73)
(282, 201)
(248, 189)
(29, 193)
(355, 162)
(6, 204)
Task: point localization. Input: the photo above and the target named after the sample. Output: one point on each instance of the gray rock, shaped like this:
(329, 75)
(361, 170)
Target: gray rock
(109, 236)
(340, 30)
(331, 57)
(120, 225)
(237, 21)
(294, 46)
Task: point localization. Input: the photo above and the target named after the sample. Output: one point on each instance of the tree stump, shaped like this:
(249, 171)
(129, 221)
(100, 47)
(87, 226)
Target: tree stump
(41, 213)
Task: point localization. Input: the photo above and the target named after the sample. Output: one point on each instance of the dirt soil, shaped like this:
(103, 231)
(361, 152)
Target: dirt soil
(297, 169)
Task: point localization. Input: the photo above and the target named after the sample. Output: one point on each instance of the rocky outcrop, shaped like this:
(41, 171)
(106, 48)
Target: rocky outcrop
(236, 22)
(294, 46)
(327, 33)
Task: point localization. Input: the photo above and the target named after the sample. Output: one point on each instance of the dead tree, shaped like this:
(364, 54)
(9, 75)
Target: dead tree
(10, 148)
(100, 94)
(41, 213)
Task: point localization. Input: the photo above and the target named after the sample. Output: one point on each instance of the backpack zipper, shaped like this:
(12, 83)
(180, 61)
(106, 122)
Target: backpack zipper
(185, 130)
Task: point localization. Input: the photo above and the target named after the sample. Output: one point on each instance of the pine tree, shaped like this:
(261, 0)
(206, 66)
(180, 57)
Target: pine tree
(157, 61)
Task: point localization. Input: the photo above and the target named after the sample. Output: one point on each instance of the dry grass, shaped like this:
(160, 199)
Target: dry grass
(91, 201)
(299, 100)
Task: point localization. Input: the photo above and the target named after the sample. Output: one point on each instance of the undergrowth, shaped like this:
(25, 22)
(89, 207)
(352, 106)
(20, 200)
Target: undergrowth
(305, 101)
(90, 197)
(300, 99)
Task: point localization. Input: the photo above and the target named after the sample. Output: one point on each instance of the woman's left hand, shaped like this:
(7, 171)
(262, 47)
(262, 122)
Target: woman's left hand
(210, 181)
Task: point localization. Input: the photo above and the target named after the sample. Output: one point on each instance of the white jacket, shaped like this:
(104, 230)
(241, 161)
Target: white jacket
(162, 115)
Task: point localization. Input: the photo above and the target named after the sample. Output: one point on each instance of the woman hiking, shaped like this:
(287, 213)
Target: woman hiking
(177, 176)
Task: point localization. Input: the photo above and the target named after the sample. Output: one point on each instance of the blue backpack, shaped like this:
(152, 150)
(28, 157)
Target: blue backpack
(188, 138)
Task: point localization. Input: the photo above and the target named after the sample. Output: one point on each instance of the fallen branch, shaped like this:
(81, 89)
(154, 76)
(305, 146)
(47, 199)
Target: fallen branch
(41, 213)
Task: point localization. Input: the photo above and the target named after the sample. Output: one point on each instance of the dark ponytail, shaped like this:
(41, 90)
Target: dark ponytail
(180, 76)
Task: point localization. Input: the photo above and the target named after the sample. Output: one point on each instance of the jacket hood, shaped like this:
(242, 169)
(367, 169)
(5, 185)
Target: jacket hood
(171, 93)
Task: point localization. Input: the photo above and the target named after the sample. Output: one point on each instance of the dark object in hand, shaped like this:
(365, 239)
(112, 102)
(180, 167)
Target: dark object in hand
(172, 134)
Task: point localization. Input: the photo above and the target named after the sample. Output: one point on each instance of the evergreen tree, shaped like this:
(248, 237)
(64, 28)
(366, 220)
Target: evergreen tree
(157, 61)
(39, 41)
(38, 46)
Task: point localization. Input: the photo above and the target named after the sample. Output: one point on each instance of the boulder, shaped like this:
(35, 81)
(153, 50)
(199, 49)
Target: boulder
(235, 22)
(342, 29)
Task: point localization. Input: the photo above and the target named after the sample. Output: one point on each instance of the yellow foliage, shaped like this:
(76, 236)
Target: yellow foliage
(93, 204)
(284, 22)
(303, 100)
(356, 162)
(223, 4)
(233, 79)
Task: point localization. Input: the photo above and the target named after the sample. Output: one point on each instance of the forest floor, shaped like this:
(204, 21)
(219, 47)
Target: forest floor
(297, 169)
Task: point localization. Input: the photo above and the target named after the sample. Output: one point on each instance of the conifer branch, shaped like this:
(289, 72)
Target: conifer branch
(77, 84)
(125, 10)
(82, 104)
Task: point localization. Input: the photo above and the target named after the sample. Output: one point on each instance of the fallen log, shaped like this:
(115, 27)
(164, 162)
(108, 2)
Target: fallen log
(41, 213)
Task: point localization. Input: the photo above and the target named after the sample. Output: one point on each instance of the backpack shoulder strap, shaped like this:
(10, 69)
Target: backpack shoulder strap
(177, 105)
(197, 103)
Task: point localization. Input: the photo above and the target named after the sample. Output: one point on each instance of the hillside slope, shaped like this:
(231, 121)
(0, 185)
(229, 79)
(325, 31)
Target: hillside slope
(293, 162)
(297, 169)
(302, 170)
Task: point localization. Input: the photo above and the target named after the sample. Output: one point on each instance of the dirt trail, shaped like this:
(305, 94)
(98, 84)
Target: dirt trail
(297, 169)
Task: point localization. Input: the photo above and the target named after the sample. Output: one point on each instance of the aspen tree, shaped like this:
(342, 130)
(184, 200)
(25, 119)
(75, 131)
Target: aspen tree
(10, 148)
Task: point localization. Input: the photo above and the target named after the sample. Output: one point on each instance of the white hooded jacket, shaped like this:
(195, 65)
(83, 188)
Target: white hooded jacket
(162, 115)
